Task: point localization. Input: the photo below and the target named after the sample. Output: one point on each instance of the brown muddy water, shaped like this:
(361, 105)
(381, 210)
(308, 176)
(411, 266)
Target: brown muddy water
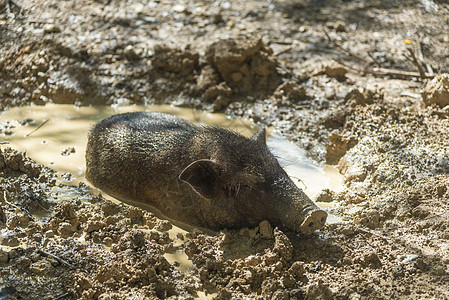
(55, 135)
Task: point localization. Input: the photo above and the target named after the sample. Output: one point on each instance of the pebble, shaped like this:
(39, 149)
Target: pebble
(51, 28)
(130, 53)
(409, 258)
(339, 26)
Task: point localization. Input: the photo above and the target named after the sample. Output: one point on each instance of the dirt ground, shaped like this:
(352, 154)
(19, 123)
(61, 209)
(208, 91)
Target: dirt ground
(355, 83)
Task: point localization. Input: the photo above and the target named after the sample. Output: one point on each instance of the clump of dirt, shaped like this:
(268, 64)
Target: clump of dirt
(174, 62)
(264, 266)
(290, 90)
(246, 64)
(437, 91)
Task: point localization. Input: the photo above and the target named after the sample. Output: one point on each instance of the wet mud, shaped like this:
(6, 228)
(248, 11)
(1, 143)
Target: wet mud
(361, 86)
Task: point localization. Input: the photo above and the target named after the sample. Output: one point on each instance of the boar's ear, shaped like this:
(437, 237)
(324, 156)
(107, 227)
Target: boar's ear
(259, 137)
(202, 176)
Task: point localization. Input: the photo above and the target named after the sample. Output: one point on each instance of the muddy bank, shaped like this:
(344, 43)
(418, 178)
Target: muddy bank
(337, 78)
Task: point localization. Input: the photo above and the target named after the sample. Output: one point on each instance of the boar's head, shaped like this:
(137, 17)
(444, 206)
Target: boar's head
(243, 174)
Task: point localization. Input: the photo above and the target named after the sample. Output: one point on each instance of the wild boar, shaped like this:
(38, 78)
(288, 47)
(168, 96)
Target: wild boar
(203, 176)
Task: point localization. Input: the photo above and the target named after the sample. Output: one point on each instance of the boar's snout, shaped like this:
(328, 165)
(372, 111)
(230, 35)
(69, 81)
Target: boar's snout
(295, 209)
(314, 220)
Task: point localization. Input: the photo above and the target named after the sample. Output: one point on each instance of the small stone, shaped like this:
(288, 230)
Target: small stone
(330, 94)
(51, 28)
(179, 8)
(9, 238)
(297, 270)
(369, 218)
(217, 90)
(372, 260)
(220, 103)
(207, 78)
(339, 26)
(421, 264)
(282, 245)
(218, 18)
(67, 151)
(163, 225)
(130, 53)
(409, 258)
(66, 176)
(355, 296)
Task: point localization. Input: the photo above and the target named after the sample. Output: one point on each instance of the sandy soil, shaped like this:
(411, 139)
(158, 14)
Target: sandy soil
(352, 82)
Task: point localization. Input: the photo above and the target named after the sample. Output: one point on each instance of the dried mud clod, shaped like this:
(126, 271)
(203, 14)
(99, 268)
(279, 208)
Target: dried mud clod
(246, 64)
(290, 90)
(241, 263)
(173, 62)
(437, 91)
(338, 146)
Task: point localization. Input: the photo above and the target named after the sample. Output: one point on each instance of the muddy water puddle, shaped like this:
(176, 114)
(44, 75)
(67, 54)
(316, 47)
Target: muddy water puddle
(55, 135)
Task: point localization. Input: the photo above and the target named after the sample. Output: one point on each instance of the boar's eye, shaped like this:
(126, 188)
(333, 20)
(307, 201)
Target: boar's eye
(239, 188)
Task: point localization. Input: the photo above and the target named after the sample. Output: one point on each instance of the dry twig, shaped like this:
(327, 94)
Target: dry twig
(17, 207)
(40, 125)
(375, 71)
(415, 61)
(60, 260)
(385, 72)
